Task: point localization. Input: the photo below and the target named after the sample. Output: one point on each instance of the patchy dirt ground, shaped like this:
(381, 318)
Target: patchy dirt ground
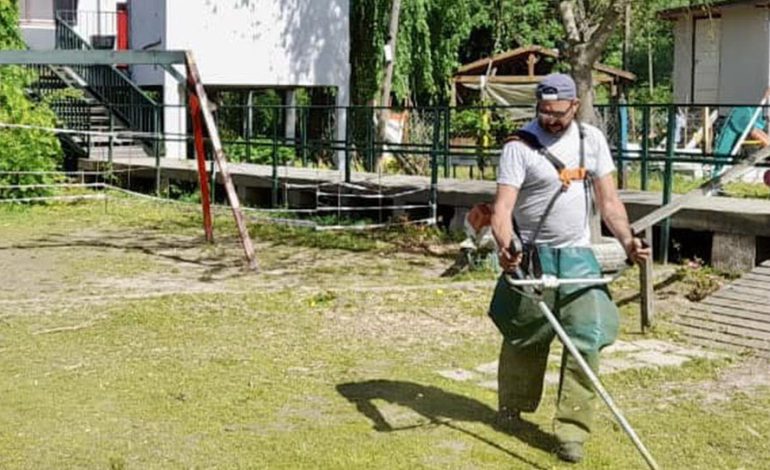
(139, 324)
(72, 267)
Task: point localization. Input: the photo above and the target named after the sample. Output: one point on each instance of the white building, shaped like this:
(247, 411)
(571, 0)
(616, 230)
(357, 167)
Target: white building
(721, 52)
(240, 44)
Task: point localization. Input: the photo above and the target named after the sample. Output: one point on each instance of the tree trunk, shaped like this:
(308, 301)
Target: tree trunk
(395, 12)
(588, 30)
(582, 72)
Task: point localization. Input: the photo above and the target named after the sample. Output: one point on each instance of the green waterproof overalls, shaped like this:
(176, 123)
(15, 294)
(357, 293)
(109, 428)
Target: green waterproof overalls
(587, 314)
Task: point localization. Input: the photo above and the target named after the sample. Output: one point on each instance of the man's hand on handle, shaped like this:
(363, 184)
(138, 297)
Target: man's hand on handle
(637, 250)
(508, 261)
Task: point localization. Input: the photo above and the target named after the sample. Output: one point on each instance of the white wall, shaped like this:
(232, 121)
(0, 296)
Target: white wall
(36, 24)
(38, 35)
(264, 42)
(96, 17)
(147, 26)
(745, 55)
(707, 60)
(682, 59)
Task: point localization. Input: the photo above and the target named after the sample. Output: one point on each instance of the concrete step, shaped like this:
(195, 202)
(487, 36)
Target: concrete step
(128, 151)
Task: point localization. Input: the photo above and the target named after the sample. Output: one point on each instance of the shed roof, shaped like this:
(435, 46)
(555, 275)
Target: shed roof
(481, 65)
(706, 8)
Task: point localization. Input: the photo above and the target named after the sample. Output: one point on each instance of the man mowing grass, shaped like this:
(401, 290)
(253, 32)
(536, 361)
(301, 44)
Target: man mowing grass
(546, 173)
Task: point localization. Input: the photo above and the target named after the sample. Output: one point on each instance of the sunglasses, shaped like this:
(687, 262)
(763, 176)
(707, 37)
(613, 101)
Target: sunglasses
(555, 114)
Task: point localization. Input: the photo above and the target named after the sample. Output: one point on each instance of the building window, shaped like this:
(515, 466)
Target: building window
(36, 10)
(67, 10)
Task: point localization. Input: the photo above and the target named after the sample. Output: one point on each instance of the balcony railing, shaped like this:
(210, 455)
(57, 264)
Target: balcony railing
(109, 85)
(98, 28)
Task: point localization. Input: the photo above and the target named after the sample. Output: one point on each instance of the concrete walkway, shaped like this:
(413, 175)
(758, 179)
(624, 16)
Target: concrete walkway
(621, 356)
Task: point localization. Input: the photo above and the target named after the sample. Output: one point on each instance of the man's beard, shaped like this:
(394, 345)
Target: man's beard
(556, 129)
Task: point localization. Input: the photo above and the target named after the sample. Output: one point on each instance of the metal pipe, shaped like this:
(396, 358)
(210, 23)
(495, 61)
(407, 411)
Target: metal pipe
(597, 385)
(434, 168)
(645, 148)
(555, 282)
(348, 153)
(274, 153)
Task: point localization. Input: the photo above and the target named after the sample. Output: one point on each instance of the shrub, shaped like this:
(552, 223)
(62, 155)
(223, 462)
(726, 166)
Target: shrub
(22, 149)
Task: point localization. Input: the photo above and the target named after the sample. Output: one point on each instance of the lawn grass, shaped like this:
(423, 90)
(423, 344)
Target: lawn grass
(684, 183)
(327, 359)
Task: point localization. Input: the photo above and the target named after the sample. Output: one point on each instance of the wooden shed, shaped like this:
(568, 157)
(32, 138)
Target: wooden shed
(510, 77)
(721, 51)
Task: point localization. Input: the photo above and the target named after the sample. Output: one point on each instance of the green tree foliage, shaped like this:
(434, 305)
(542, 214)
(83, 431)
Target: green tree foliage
(436, 36)
(368, 26)
(22, 150)
(651, 40)
(499, 25)
(430, 34)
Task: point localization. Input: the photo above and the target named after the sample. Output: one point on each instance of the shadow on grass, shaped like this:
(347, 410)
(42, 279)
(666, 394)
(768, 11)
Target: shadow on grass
(672, 279)
(440, 408)
(154, 245)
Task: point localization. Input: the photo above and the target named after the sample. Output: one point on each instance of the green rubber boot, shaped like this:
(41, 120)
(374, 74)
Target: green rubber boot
(571, 452)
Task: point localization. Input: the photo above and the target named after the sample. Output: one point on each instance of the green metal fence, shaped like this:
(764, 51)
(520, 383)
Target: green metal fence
(439, 142)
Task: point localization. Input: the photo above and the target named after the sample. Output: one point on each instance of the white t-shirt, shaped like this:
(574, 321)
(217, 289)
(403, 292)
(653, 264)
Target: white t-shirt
(537, 181)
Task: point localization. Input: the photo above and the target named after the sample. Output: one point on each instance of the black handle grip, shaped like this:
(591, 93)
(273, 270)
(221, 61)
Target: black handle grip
(514, 249)
(645, 244)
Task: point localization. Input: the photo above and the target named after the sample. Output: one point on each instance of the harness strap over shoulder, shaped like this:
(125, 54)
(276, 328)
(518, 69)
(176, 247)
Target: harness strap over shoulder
(566, 175)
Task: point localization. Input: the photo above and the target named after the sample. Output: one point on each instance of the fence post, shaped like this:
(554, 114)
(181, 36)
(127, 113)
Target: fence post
(370, 139)
(622, 142)
(447, 134)
(668, 181)
(303, 137)
(647, 283)
(274, 195)
(213, 185)
(434, 166)
(111, 148)
(156, 149)
(645, 148)
(348, 153)
(249, 124)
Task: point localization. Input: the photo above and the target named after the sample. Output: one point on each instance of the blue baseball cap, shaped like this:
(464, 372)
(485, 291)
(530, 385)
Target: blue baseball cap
(556, 86)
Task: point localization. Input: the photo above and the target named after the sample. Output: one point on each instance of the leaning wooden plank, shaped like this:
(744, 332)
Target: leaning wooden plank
(737, 305)
(752, 283)
(731, 296)
(196, 86)
(715, 340)
(706, 189)
(762, 268)
(738, 319)
(761, 338)
(200, 158)
(747, 291)
(727, 313)
(759, 277)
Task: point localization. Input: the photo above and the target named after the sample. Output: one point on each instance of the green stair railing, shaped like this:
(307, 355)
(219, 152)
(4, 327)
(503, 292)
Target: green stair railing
(121, 96)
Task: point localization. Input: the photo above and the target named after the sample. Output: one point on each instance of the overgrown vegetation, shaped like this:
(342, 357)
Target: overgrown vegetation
(22, 149)
(701, 280)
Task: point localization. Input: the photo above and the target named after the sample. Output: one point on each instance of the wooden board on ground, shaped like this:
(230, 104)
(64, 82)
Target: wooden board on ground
(737, 316)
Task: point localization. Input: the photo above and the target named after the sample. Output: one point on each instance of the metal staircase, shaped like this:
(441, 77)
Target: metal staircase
(97, 98)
